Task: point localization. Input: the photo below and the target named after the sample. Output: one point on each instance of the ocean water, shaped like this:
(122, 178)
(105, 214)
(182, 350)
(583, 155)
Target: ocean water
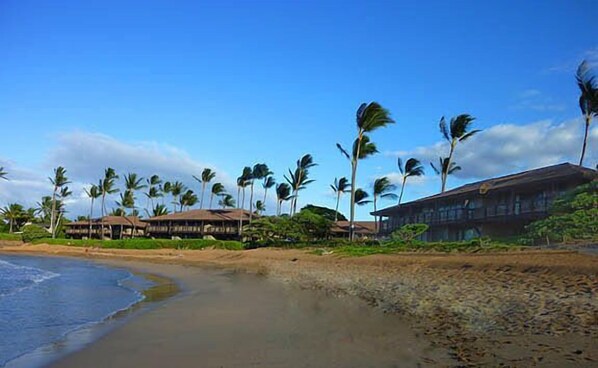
(43, 300)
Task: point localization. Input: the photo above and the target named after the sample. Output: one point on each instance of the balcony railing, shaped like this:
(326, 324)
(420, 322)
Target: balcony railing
(208, 229)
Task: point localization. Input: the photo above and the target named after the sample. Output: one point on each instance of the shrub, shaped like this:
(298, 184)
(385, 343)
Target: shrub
(305, 226)
(408, 233)
(141, 243)
(34, 232)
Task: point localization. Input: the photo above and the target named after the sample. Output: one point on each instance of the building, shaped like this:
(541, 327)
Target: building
(363, 229)
(220, 223)
(115, 227)
(496, 207)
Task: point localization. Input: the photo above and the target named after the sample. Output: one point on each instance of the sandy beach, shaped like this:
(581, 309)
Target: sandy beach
(272, 307)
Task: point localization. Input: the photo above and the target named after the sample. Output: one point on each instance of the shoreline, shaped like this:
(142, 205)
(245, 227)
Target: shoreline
(474, 305)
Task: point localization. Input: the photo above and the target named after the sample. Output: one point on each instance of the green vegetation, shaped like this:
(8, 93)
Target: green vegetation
(408, 233)
(303, 227)
(139, 243)
(327, 213)
(574, 218)
(7, 236)
(34, 232)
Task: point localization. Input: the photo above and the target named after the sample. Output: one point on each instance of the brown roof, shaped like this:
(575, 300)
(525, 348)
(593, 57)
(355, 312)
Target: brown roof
(205, 215)
(113, 221)
(361, 227)
(523, 178)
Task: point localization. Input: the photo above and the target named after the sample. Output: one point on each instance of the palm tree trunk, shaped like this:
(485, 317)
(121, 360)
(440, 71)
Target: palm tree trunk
(278, 207)
(585, 140)
(338, 199)
(52, 214)
(251, 203)
(375, 217)
(90, 216)
(211, 199)
(203, 190)
(10, 222)
(243, 203)
(238, 197)
(102, 219)
(353, 177)
(265, 195)
(402, 189)
(448, 166)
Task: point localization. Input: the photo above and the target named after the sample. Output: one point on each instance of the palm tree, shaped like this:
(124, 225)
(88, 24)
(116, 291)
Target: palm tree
(244, 181)
(455, 132)
(588, 101)
(369, 117)
(299, 179)
(59, 181)
(94, 192)
(3, 173)
(259, 172)
(444, 169)
(133, 184)
(14, 212)
(339, 187)
(106, 186)
(217, 190)
(207, 175)
(259, 207)
(188, 199)
(361, 197)
(268, 183)
(153, 190)
(158, 210)
(44, 208)
(283, 193)
(176, 189)
(383, 189)
(166, 188)
(227, 200)
(412, 167)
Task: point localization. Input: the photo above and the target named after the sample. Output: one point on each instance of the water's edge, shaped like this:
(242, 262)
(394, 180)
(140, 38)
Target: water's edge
(162, 289)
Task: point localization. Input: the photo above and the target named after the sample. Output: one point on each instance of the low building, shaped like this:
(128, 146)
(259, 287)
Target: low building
(363, 229)
(219, 223)
(498, 207)
(115, 227)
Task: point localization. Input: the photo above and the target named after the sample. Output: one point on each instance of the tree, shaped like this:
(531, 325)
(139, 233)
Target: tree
(14, 213)
(217, 190)
(188, 199)
(93, 193)
(339, 187)
(361, 197)
(3, 173)
(243, 182)
(283, 193)
(44, 208)
(299, 178)
(268, 183)
(158, 210)
(153, 189)
(207, 175)
(327, 213)
(259, 172)
(227, 200)
(59, 181)
(455, 132)
(259, 207)
(444, 169)
(412, 167)
(133, 184)
(383, 189)
(106, 186)
(176, 190)
(369, 117)
(588, 100)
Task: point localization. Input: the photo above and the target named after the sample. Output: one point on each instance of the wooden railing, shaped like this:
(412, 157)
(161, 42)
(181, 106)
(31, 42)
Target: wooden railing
(207, 229)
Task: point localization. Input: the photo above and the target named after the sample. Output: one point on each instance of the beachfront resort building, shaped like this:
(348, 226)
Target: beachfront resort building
(498, 207)
(219, 223)
(363, 229)
(115, 227)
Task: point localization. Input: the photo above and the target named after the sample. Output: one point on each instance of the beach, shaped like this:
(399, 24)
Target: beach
(274, 307)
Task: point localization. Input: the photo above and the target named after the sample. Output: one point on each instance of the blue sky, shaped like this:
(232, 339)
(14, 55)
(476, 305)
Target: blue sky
(150, 86)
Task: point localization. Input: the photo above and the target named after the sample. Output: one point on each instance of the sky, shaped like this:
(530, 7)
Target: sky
(170, 88)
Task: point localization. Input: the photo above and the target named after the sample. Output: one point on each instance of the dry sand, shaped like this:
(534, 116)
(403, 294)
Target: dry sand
(512, 309)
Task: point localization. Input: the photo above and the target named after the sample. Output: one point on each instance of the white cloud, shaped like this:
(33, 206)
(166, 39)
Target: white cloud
(507, 148)
(570, 66)
(533, 99)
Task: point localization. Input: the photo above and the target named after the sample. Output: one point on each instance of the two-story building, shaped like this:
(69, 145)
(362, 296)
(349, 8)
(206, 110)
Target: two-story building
(497, 207)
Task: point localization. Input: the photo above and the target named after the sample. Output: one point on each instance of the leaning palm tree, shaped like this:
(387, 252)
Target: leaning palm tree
(412, 167)
(187, 200)
(283, 193)
(361, 197)
(217, 190)
(244, 181)
(259, 207)
(300, 178)
(12, 213)
(259, 172)
(383, 189)
(3, 173)
(133, 183)
(158, 210)
(588, 101)
(268, 183)
(207, 175)
(106, 186)
(369, 117)
(455, 132)
(94, 192)
(444, 169)
(59, 181)
(153, 185)
(176, 189)
(226, 201)
(339, 187)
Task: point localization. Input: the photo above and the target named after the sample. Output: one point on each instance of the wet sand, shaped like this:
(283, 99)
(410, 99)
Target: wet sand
(230, 319)
(519, 309)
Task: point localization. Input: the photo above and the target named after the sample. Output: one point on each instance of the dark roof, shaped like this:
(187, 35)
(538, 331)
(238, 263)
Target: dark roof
(205, 215)
(112, 221)
(523, 178)
(361, 227)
